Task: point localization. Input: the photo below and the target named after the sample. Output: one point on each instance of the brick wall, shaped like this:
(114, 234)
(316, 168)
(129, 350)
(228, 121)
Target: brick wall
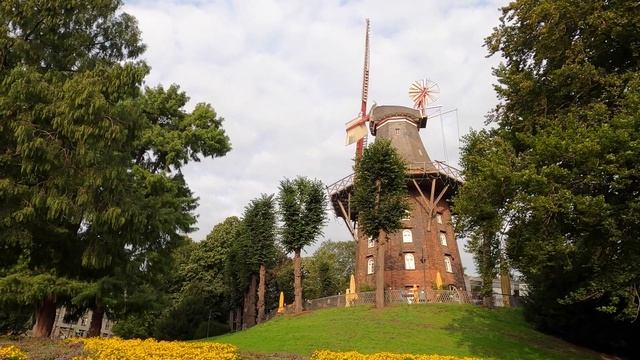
(428, 252)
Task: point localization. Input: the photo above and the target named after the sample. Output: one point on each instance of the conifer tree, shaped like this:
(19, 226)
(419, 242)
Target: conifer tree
(380, 198)
(89, 162)
(259, 220)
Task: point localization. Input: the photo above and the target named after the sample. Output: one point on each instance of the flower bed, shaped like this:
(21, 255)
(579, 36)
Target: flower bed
(11, 353)
(118, 349)
(352, 355)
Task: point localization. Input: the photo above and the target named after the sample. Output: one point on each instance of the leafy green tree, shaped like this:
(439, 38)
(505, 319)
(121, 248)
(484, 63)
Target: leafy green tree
(487, 162)
(568, 120)
(88, 187)
(259, 220)
(329, 270)
(380, 198)
(302, 204)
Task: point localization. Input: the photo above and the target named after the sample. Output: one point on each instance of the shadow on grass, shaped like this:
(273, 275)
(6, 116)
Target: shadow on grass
(503, 334)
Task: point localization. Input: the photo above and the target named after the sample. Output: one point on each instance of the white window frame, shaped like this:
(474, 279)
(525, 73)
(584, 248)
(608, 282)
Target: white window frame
(370, 242)
(439, 218)
(407, 236)
(407, 215)
(409, 261)
(447, 264)
(443, 238)
(371, 268)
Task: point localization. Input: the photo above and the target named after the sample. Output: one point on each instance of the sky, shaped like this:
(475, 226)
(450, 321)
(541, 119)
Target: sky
(286, 76)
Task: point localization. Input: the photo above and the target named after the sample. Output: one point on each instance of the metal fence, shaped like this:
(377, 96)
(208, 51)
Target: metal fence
(391, 297)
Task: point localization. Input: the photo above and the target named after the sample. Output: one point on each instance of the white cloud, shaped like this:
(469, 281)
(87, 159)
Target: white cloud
(286, 76)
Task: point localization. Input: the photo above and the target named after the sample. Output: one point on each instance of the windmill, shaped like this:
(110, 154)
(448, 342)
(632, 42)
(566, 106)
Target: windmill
(428, 232)
(356, 128)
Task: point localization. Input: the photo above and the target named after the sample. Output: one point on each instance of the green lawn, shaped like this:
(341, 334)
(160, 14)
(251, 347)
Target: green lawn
(463, 330)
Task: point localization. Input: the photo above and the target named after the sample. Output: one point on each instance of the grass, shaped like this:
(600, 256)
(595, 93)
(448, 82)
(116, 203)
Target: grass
(462, 330)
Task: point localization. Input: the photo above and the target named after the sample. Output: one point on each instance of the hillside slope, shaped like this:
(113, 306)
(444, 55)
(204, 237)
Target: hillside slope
(463, 330)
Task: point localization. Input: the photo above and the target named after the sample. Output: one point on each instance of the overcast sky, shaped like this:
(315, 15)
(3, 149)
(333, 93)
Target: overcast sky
(286, 76)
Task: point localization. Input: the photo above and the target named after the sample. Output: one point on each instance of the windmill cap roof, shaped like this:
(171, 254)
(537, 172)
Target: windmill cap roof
(379, 114)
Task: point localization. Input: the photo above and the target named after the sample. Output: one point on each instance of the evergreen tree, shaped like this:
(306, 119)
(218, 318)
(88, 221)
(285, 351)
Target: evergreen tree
(88, 185)
(302, 204)
(568, 126)
(380, 198)
(260, 226)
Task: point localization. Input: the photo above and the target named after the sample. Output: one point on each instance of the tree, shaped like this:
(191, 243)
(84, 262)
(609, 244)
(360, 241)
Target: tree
(380, 198)
(568, 120)
(487, 163)
(302, 204)
(329, 270)
(88, 185)
(260, 225)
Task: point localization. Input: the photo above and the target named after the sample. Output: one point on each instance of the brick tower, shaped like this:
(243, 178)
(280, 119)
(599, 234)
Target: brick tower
(425, 252)
(426, 246)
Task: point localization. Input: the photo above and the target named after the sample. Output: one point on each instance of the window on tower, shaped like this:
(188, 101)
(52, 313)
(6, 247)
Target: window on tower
(370, 242)
(443, 238)
(370, 266)
(407, 215)
(407, 236)
(439, 218)
(409, 262)
(447, 264)
(397, 131)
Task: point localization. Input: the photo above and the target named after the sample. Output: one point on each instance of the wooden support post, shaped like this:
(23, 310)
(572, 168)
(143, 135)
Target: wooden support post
(347, 220)
(433, 190)
(441, 195)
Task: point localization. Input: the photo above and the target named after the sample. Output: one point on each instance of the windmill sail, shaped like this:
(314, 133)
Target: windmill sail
(356, 130)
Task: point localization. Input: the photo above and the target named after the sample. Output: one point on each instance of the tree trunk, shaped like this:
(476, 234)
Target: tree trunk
(96, 321)
(380, 250)
(45, 318)
(505, 283)
(238, 320)
(250, 303)
(297, 280)
(261, 292)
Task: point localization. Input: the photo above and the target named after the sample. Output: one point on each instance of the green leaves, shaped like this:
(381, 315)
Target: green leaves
(554, 178)
(302, 203)
(380, 187)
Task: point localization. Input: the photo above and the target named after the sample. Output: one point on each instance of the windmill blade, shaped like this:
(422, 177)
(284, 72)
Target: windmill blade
(423, 91)
(356, 129)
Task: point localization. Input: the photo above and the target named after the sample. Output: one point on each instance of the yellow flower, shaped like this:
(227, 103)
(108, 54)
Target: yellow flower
(12, 353)
(119, 349)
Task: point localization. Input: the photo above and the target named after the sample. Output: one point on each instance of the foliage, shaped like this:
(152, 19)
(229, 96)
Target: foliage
(380, 189)
(329, 270)
(182, 321)
(259, 220)
(114, 348)
(302, 203)
(445, 329)
(136, 326)
(92, 196)
(487, 162)
(568, 126)
(352, 355)
(15, 318)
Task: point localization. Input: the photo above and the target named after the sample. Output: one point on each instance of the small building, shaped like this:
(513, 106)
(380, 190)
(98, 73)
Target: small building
(79, 328)
(518, 289)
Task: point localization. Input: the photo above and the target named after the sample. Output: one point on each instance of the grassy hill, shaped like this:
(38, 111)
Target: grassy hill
(419, 329)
